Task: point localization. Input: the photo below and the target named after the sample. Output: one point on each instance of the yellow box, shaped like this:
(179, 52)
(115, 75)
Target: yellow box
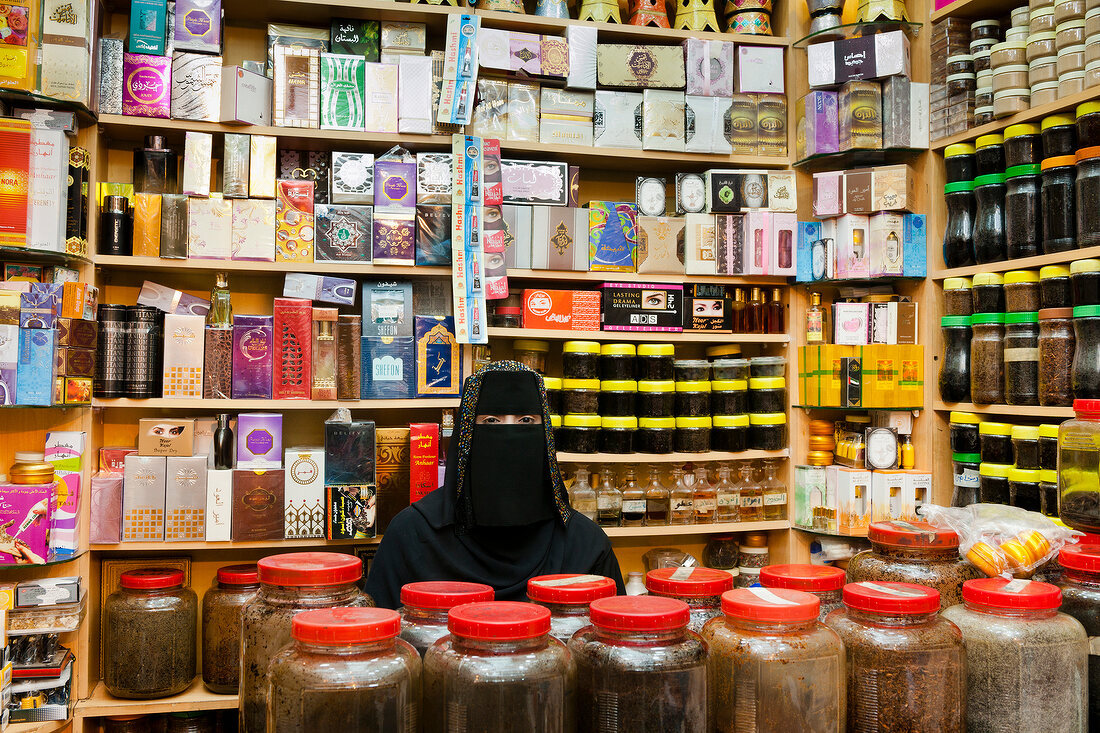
(147, 225)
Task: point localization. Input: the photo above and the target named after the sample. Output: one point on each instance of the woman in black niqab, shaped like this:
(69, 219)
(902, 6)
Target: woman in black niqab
(502, 515)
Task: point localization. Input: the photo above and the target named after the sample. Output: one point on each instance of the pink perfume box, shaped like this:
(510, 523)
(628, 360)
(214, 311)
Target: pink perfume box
(146, 85)
(25, 514)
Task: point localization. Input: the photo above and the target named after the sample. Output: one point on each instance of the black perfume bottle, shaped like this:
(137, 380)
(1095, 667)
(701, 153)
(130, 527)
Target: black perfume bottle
(223, 443)
(156, 168)
(115, 232)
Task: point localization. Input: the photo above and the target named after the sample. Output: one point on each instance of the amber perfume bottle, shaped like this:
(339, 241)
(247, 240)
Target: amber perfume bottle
(324, 354)
(740, 311)
(775, 312)
(156, 168)
(757, 320)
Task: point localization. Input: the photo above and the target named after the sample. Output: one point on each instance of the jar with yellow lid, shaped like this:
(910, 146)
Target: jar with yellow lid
(768, 431)
(959, 162)
(579, 434)
(821, 443)
(729, 397)
(30, 467)
(993, 485)
(656, 398)
(1025, 446)
(963, 431)
(531, 353)
(1085, 278)
(1048, 448)
(1055, 288)
(956, 296)
(552, 385)
(656, 435)
(723, 351)
(617, 362)
(654, 361)
(1023, 210)
(988, 292)
(580, 396)
(729, 433)
(555, 424)
(996, 442)
(693, 399)
(617, 434)
(767, 394)
(1021, 288)
(1059, 134)
(1088, 122)
(990, 152)
(693, 434)
(1048, 493)
(1023, 145)
(1023, 489)
(580, 360)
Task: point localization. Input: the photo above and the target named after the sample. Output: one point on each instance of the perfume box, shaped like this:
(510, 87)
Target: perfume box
(198, 152)
(525, 53)
(782, 191)
(9, 363)
(705, 125)
(885, 244)
(392, 474)
(147, 85)
(438, 357)
(185, 499)
(757, 237)
(73, 362)
(741, 132)
(415, 94)
(258, 505)
(304, 498)
(26, 514)
(851, 246)
(112, 459)
(183, 355)
(860, 115)
(382, 100)
(352, 178)
(582, 57)
(261, 167)
(259, 440)
(49, 172)
(35, 372)
(323, 288)
(199, 25)
(617, 120)
(40, 305)
(709, 67)
(535, 182)
(642, 307)
(828, 194)
(146, 228)
(292, 36)
(219, 505)
(852, 489)
(388, 310)
(700, 244)
(433, 235)
(818, 130)
(554, 57)
(612, 239)
(209, 228)
(388, 368)
(217, 379)
(650, 67)
(517, 236)
(343, 92)
(253, 342)
(433, 178)
(784, 229)
(343, 232)
(771, 125)
(423, 460)
(148, 26)
(403, 37)
(196, 87)
(110, 75)
(914, 247)
(490, 114)
(760, 70)
(294, 225)
(349, 452)
(235, 158)
(554, 238)
(355, 36)
(493, 49)
(253, 230)
(394, 237)
(351, 511)
(165, 437)
(307, 165)
(291, 377)
(562, 310)
(708, 307)
(396, 185)
(245, 96)
(143, 496)
(662, 120)
(297, 86)
(66, 46)
(851, 324)
(75, 333)
(106, 509)
(892, 188)
(171, 301)
(853, 59)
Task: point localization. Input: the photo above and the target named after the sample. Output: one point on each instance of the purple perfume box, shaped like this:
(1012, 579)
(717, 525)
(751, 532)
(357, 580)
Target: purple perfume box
(259, 440)
(394, 185)
(199, 26)
(253, 340)
(819, 131)
(25, 513)
(146, 85)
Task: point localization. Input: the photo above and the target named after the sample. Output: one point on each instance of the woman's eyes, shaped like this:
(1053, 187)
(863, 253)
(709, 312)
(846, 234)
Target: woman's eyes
(527, 420)
(653, 300)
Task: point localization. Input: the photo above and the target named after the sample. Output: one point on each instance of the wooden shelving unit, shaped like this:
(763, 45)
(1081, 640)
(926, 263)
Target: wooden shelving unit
(219, 546)
(683, 530)
(1035, 114)
(675, 458)
(172, 403)
(1022, 263)
(102, 703)
(1029, 412)
(641, 336)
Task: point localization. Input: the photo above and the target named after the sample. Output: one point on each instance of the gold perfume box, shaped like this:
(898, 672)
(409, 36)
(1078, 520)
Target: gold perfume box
(650, 67)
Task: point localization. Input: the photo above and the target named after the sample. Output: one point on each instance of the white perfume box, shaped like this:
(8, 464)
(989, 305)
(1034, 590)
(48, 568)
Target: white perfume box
(253, 232)
(352, 178)
(197, 155)
(209, 228)
(382, 101)
(582, 57)
(183, 355)
(245, 96)
(887, 495)
(760, 69)
(219, 505)
(48, 192)
(700, 245)
(784, 238)
(617, 120)
(304, 497)
(185, 499)
(415, 89)
(143, 498)
(663, 120)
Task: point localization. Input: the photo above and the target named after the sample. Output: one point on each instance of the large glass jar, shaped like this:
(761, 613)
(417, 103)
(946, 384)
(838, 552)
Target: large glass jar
(955, 367)
(567, 596)
(700, 588)
(773, 665)
(824, 581)
(580, 360)
(1056, 346)
(906, 665)
(1088, 197)
(1079, 467)
(987, 358)
(656, 435)
(149, 627)
(1085, 277)
(1026, 663)
(345, 671)
(1023, 211)
(1059, 213)
(424, 608)
(639, 668)
(579, 434)
(499, 670)
(1021, 356)
(958, 236)
(233, 586)
(190, 721)
(289, 584)
(1086, 352)
(1023, 145)
(989, 218)
(988, 292)
(1081, 599)
(914, 552)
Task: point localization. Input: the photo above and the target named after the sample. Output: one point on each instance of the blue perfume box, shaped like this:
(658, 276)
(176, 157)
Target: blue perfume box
(388, 310)
(389, 369)
(914, 246)
(808, 233)
(35, 372)
(148, 26)
(40, 306)
(613, 241)
(438, 357)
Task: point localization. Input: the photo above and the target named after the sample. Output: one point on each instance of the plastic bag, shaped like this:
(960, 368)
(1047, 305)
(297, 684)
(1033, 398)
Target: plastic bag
(1002, 540)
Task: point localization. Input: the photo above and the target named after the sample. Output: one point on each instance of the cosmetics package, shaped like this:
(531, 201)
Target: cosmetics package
(349, 452)
(35, 371)
(183, 356)
(110, 75)
(323, 288)
(700, 245)
(535, 182)
(199, 25)
(48, 188)
(142, 373)
(146, 227)
(760, 70)
(818, 130)
(388, 310)
(253, 228)
(395, 185)
(294, 222)
(566, 117)
(156, 167)
(492, 49)
(490, 114)
(261, 167)
(74, 362)
(382, 85)
(612, 243)
(885, 244)
(705, 125)
(554, 57)
(423, 460)
(209, 228)
(196, 87)
(235, 158)
(307, 165)
(297, 86)
(291, 375)
(351, 511)
(185, 499)
(523, 112)
(111, 358)
(398, 38)
(219, 505)
(349, 331)
(659, 241)
(352, 178)
(433, 178)
(893, 188)
(851, 246)
(617, 120)
(394, 237)
(258, 504)
(415, 94)
(143, 498)
(168, 300)
(356, 36)
(197, 161)
(662, 120)
(115, 237)
(650, 67)
(245, 96)
(147, 85)
(253, 344)
(438, 357)
(433, 235)
(554, 238)
(40, 305)
(105, 495)
(388, 366)
(343, 92)
(15, 138)
(343, 232)
(259, 440)
(324, 353)
(707, 307)
(875, 56)
(304, 500)
(642, 307)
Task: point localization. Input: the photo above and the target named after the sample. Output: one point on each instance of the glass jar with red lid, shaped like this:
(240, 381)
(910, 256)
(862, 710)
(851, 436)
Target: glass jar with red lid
(499, 670)
(914, 552)
(700, 588)
(289, 584)
(639, 659)
(345, 670)
(1081, 599)
(234, 585)
(905, 664)
(424, 608)
(773, 665)
(567, 596)
(1026, 663)
(824, 581)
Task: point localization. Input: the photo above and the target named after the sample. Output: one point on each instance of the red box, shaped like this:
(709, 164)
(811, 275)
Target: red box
(292, 376)
(493, 188)
(113, 460)
(15, 171)
(562, 310)
(423, 460)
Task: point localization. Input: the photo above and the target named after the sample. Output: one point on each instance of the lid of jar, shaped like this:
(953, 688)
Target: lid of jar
(1092, 12)
(151, 578)
(974, 458)
(897, 533)
(555, 421)
(730, 421)
(961, 77)
(1045, 273)
(1078, 266)
(1089, 408)
(648, 385)
(189, 714)
(693, 386)
(729, 385)
(891, 598)
(580, 384)
(569, 588)
(1086, 311)
(730, 363)
(958, 186)
(819, 457)
(499, 621)
(580, 347)
(1058, 161)
(530, 345)
(768, 418)
(1048, 430)
(957, 149)
(1012, 277)
(619, 423)
(639, 613)
(1024, 317)
(618, 385)
(1040, 37)
(954, 321)
(1021, 129)
(723, 350)
(985, 24)
(551, 383)
(582, 421)
(509, 310)
(444, 594)
(1025, 595)
(1088, 108)
(244, 574)
(1056, 121)
(1003, 93)
(768, 360)
(656, 350)
(656, 423)
(1024, 475)
(960, 58)
(804, 577)
(1045, 86)
(1087, 153)
(980, 318)
(617, 350)
(691, 363)
(1044, 10)
(964, 418)
(956, 283)
(1066, 51)
(1026, 169)
(990, 179)
(693, 581)
(1068, 25)
(689, 423)
(819, 426)
(994, 470)
(1048, 476)
(754, 539)
(341, 626)
(310, 568)
(767, 383)
(1082, 557)
(995, 428)
(770, 605)
(986, 141)
(988, 278)
(1025, 432)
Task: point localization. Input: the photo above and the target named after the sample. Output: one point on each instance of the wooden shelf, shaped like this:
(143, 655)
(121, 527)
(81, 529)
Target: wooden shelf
(1025, 411)
(1022, 263)
(1030, 115)
(971, 9)
(46, 726)
(123, 262)
(263, 545)
(641, 336)
(643, 458)
(677, 530)
(171, 403)
(196, 697)
(575, 276)
(862, 533)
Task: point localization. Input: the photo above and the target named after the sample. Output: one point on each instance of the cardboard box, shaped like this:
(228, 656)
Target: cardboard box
(304, 500)
(885, 244)
(196, 87)
(438, 357)
(617, 119)
(352, 511)
(245, 97)
(297, 86)
(853, 259)
(700, 244)
(147, 85)
(183, 356)
(252, 233)
(258, 501)
(253, 356)
(261, 167)
(893, 188)
(209, 228)
(388, 366)
(811, 509)
(392, 474)
(658, 244)
(708, 307)
(185, 499)
(888, 495)
(918, 492)
(852, 488)
(554, 243)
(259, 440)
(663, 120)
(561, 310)
(165, 437)
(642, 307)
(760, 70)
(423, 460)
(343, 92)
(219, 505)
(350, 452)
(148, 26)
(650, 67)
(709, 67)
(382, 90)
(26, 513)
(582, 56)
(198, 25)
(874, 56)
(612, 244)
(818, 124)
(535, 182)
(143, 497)
(294, 222)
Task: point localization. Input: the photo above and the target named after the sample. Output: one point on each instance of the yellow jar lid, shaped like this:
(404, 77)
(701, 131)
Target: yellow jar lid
(1056, 121)
(656, 423)
(1088, 108)
(648, 385)
(1014, 277)
(619, 423)
(1048, 430)
(986, 141)
(1080, 266)
(728, 385)
(768, 418)
(551, 382)
(617, 350)
(767, 383)
(530, 345)
(725, 350)
(1025, 432)
(956, 283)
(1053, 271)
(1024, 128)
(580, 347)
(995, 428)
(619, 385)
(1028, 475)
(964, 418)
(693, 386)
(821, 442)
(580, 384)
(958, 149)
(656, 350)
(731, 421)
(993, 470)
(819, 458)
(988, 278)
(582, 421)
(692, 422)
(555, 421)
(1048, 476)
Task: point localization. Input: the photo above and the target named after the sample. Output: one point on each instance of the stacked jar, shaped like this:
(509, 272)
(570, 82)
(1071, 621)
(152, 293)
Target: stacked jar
(656, 398)
(1059, 176)
(1042, 53)
(962, 81)
(767, 426)
(983, 35)
(960, 168)
(693, 421)
(1023, 190)
(966, 457)
(1011, 90)
(581, 430)
(1069, 30)
(729, 404)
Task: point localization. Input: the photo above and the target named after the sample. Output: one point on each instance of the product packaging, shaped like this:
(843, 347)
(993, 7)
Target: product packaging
(143, 499)
(259, 440)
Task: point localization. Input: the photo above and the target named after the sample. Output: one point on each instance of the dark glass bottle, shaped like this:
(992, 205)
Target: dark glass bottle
(223, 443)
(775, 312)
(156, 168)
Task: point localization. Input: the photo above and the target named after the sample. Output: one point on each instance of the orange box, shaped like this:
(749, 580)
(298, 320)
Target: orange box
(147, 225)
(562, 310)
(73, 298)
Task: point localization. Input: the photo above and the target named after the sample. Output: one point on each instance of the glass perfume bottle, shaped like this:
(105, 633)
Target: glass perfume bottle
(156, 167)
(681, 500)
(609, 503)
(756, 321)
(752, 498)
(634, 500)
(656, 501)
(774, 491)
(115, 231)
(776, 311)
(582, 496)
(740, 311)
(816, 321)
(324, 354)
(221, 303)
(223, 443)
(729, 505)
(704, 498)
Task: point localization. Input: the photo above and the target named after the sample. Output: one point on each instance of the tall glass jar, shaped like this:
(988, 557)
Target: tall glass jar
(824, 581)
(989, 218)
(773, 665)
(499, 670)
(987, 358)
(700, 588)
(289, 584)
(955, 367)
(1023, 211)
(149, 627)
(567, 597)
(958, 236)
(1056, 346)
(1079, 467)
(1086, 352)
(1059, 211)
(424, 608)
(906, 665)
(346, 670)
(1026, 663)
(1081, 599)
(640, 669)
(1088, 197)
(914, 552)
(233, 586)
(1021, 358)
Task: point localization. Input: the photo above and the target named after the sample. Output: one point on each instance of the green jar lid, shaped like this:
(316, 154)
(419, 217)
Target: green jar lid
(958, 186)
(995, 470)
(987, 318)
(990, 179)
(966, 457)
(955, 321)
(1027, 169)
(1086, 311)
(1024, 317)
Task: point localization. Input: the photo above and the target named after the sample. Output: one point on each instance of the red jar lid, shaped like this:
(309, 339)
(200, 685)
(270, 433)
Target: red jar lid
(151, 578)
(639, 613)
(891, 598)
(310, 568)
(810, 578)
(1087, 407)
(338, 626)
(245, 574)
(1085, 558)
(1026, 595)
(774, 605)
(499, 621)
(444, 594)
(569, 588)
(688, 581)
(912, 534)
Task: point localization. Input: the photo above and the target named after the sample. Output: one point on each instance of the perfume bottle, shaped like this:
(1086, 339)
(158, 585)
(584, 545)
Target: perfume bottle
(729, 508)
(609, 503)
(740, 311)
(774, 492)
(681, 500)
(634, 501)
(156, 168)
(115, 233)
(816, 317)
(581, 495)
(704, 498)
(324, 354)
(635, 584)
(220, 314)
(752, 499)
(756, 320)
(223, 443)
(775, 312)
(656, 501)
